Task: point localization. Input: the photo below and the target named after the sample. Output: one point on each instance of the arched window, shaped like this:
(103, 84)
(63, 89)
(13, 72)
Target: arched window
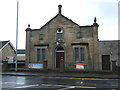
(59, 35)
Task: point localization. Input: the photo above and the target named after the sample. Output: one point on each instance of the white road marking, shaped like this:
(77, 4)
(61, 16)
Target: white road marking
(75, 87)
(27, 86)
(84, 87)
(46, 85)
(67, 86)
(11, 83)
(51, 85)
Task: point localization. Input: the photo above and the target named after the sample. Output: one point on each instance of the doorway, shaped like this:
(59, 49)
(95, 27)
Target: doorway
(105, 62)
(59, 56)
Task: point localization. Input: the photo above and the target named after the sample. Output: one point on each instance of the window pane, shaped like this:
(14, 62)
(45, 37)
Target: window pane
(38, 54)
(82, 54)
(43, 54)
(59, 36)
(76, 54)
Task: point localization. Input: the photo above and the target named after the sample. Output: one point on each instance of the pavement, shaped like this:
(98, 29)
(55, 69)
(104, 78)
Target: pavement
(63, 74)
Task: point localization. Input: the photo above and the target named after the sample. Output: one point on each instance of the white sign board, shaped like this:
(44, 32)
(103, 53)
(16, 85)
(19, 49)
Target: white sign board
(35, 65)
(10, 59)
(79, 66)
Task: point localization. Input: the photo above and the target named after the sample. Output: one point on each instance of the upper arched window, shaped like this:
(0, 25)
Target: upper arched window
(59, 34)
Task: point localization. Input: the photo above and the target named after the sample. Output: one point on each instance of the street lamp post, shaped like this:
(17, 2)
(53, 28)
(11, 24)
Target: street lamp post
(16, 66)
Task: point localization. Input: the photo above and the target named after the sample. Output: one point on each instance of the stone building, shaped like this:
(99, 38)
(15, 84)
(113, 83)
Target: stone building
(7, 50)
(109, 54)
(61, 39)
(7, 54)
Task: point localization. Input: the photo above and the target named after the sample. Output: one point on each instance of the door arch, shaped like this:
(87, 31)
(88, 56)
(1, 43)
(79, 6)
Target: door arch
(59, 55)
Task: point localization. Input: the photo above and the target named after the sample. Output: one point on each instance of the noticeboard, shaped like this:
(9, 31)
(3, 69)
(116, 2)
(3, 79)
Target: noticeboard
(80, 66)
(35, 65)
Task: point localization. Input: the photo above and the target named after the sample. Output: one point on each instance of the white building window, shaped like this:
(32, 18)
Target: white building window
(80, 54)
(41, 54)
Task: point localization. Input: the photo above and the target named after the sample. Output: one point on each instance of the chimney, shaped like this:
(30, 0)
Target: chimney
(59, 9)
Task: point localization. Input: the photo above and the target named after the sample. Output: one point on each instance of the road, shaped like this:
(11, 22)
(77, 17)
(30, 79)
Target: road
(57, 83)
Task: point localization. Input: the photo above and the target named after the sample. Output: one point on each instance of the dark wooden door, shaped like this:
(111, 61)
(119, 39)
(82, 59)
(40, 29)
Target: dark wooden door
(59, 55)
(105, 62)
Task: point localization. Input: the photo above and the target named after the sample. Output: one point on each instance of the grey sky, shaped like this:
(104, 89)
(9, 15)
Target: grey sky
(38, 12)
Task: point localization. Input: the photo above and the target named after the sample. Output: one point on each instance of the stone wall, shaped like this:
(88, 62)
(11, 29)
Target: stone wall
(109, 48)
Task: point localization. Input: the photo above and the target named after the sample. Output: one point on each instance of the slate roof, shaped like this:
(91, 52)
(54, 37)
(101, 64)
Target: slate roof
(2, 43)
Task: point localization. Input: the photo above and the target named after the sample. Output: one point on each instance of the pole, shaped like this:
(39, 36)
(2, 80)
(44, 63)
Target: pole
(16, 66)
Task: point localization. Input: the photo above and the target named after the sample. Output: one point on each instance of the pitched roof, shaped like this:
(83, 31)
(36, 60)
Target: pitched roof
(3, 43)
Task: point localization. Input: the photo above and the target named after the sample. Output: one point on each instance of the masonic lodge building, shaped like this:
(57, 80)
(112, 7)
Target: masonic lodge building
(62, 39)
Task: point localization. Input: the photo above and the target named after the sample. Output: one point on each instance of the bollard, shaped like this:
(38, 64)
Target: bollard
(45, 66)
(114, 66)
(62, 66)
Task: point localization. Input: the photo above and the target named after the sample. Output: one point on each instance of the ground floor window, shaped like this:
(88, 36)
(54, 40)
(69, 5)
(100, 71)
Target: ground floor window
(80, 54)
(41, 54)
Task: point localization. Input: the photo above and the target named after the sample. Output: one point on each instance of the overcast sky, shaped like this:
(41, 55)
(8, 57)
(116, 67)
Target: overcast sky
(39, 12)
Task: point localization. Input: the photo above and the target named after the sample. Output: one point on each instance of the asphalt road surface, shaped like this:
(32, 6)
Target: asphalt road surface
(57, 83)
